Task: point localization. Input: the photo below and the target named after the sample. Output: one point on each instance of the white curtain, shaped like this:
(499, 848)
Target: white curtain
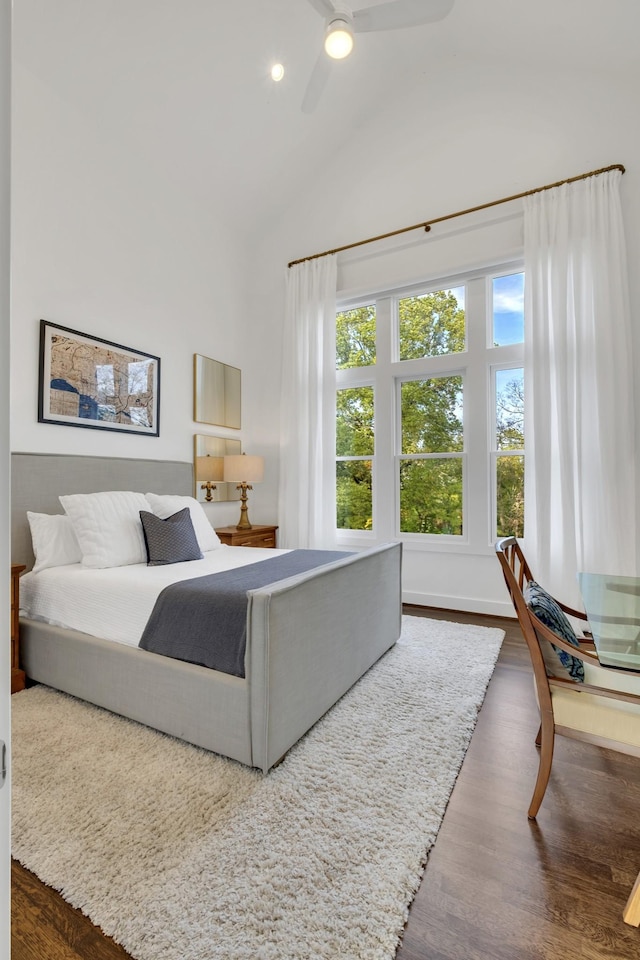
(307, 503)
(580, 485)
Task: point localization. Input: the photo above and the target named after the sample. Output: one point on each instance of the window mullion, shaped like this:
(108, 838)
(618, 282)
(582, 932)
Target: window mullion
(384, 493)
(476, 415)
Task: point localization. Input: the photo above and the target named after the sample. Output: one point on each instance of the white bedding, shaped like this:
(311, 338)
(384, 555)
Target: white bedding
(115, 603)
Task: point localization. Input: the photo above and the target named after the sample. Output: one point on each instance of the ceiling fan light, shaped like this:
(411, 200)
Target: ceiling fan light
(338, 42)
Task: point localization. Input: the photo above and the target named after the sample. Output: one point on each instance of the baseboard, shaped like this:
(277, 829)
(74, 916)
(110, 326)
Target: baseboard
(493, 608)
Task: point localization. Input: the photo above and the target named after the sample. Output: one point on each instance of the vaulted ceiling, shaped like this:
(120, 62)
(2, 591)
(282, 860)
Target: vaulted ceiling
(185, 83)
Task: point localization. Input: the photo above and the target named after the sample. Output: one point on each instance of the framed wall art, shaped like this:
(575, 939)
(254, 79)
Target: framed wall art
(216, 392)
(89, 382)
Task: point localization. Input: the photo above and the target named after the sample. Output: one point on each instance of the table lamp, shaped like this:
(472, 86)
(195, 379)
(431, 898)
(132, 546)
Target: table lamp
(209, 469)
(243, 470)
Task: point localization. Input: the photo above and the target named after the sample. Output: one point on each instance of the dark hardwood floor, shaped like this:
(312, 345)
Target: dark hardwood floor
(496, 886)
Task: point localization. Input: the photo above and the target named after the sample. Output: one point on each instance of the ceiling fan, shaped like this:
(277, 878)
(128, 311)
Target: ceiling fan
(342, 23)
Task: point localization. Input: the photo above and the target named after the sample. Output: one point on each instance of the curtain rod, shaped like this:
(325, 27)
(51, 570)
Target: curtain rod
(426, 224)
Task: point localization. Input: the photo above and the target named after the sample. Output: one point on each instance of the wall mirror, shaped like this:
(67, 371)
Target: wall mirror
(207, 468)
(216, 392)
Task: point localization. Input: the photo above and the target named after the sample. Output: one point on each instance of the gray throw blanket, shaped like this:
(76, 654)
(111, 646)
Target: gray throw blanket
(204, 620)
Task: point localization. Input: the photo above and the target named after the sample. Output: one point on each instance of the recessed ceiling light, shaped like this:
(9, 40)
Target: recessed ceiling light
(277, 72)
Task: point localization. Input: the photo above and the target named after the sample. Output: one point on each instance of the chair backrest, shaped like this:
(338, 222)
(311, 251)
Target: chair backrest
(517, 574)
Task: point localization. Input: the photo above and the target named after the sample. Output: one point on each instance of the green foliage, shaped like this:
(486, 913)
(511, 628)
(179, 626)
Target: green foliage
(510, 470)
(354, 422)
(354, 505)
(431, 491)
(431, 496)
(510, 498)
(354, 438)
(431, 423)
(432, 415)
(510, 413)
(431, 325)
(356, 337)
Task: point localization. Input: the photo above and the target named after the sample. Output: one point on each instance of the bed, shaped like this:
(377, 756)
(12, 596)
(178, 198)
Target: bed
(309, 637)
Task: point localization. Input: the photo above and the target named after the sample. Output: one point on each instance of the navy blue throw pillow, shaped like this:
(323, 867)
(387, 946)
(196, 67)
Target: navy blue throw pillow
(551, 614)
(169, 541)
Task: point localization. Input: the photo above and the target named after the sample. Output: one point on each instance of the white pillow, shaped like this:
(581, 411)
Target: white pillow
(108, 526)
(54, 542)
(166, 505)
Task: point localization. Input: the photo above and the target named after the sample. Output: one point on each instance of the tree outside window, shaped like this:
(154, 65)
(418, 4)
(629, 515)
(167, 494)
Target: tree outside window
(406, 457)
(509, 391)
(355, 445)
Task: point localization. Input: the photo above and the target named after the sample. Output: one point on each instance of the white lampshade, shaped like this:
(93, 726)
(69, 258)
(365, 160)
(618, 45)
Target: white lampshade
(209, 468)
(243, 469)
(338, 42)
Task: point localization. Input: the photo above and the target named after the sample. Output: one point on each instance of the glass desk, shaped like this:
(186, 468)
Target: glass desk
(612, 605)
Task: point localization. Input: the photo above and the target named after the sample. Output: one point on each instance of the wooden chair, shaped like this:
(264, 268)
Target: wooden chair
(604, 710)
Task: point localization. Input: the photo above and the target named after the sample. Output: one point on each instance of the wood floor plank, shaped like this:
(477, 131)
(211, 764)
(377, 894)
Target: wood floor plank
(45, 927)
(496, 886)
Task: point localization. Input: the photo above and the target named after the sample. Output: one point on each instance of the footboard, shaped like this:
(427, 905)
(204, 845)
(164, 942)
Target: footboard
(311, 637)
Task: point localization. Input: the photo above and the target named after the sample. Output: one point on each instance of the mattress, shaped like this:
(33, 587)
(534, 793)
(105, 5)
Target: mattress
(115, 603)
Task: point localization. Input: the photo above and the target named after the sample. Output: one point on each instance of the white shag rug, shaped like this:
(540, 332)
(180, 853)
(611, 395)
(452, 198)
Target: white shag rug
(180, 854)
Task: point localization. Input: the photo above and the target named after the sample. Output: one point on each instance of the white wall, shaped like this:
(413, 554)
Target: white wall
(5, 655)
(102, 244)
(470, 133)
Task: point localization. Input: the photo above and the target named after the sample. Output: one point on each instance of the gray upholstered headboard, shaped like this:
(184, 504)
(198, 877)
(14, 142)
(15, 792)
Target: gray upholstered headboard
(38, 479)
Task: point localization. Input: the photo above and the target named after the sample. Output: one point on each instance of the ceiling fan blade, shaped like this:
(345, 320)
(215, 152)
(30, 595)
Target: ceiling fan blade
(324, 7)
(399, 13)
(317, 83)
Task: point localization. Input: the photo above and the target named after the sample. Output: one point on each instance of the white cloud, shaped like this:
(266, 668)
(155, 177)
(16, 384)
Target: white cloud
(508, 297)
(508, 302)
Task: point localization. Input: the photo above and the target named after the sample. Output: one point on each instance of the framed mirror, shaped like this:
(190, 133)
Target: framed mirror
(216, 392)
(208, 466)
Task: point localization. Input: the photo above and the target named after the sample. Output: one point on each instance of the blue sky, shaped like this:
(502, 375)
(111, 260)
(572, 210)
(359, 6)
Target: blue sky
(508, 309)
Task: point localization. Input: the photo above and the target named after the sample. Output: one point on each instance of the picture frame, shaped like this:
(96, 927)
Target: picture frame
(217, 389)
(85, 381)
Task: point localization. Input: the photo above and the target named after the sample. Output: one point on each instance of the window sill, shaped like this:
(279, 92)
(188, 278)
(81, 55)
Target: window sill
(413, 544)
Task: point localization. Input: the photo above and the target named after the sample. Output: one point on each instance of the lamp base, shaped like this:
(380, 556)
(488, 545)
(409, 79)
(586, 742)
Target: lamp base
(243, 523)
(209, 487)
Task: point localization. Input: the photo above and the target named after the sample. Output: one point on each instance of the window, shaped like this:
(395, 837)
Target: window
(508, 391)
(356, 337)
(508, 312)
(430, 463)
(430, 412)
(354, 449)
(432, 324)
(508, 451)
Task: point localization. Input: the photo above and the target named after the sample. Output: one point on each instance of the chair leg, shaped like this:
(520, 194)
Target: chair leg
(539, 736)
(546, 735)
(631, 913)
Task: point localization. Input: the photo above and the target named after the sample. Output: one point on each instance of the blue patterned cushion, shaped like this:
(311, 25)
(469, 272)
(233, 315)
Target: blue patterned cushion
(169, 541)
(551, 614)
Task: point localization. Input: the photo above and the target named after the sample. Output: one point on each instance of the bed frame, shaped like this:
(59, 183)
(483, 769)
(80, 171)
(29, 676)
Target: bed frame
(309, 638)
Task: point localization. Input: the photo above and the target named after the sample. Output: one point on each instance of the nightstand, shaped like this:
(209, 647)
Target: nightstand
(17, 675)
(257, 536)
